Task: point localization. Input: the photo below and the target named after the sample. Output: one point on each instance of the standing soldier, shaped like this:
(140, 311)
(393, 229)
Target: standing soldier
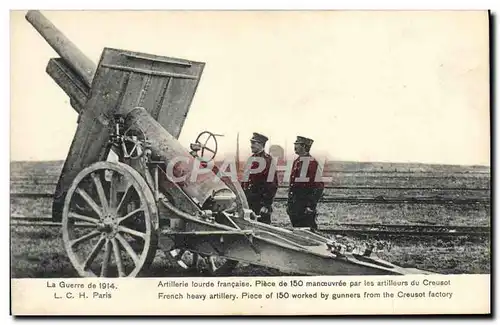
(304, 191)
(259, 187)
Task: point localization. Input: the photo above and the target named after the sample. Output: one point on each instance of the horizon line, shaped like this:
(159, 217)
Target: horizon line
(326, 162)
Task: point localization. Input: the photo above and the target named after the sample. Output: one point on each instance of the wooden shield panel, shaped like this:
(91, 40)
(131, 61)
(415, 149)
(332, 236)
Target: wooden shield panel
(164, 86)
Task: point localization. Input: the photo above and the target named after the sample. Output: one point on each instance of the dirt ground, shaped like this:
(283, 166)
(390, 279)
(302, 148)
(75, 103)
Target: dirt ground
(38, 251)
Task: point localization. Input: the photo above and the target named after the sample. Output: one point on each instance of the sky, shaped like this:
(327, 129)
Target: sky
(366, 86)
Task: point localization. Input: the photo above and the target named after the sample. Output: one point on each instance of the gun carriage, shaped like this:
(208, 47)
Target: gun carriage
(119, 205)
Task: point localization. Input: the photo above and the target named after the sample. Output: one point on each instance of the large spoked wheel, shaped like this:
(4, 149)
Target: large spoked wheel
(211, 265)
(110, 222)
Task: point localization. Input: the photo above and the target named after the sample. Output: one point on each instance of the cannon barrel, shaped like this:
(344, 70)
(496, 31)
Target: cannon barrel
(205, 187)
(80, 63)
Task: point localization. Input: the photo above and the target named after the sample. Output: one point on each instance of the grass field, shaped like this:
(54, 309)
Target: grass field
(38, 251)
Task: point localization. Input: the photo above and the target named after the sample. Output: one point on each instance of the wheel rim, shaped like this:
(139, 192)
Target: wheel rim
(109, 222)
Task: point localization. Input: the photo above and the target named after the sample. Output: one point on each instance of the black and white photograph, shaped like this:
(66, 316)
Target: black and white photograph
(224, 145)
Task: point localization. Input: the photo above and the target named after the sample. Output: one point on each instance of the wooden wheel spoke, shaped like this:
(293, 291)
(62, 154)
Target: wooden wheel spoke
(128, 248)
(118, 258)
(94, 253)
(100, 191)
(107, 258)
(132, 232)
(112, 191)
(89, 201)
(88, 236)
(129, 215)
(74, 215)
(114, 201)
(124, 198)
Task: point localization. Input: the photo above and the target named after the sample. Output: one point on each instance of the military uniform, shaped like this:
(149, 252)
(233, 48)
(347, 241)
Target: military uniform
(303, 196)
(259, 190)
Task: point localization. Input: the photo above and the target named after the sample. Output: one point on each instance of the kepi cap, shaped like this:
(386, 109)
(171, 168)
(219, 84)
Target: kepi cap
(257, 137)
(304, 140)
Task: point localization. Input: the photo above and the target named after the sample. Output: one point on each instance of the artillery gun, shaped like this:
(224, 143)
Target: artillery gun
(117, 214)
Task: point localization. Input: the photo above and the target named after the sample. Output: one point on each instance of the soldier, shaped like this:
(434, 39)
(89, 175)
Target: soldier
(259, 187)
(304, 194)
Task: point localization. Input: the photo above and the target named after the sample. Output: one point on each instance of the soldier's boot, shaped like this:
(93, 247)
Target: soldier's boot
(304, 223)
(298, 222)
(313, 225)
